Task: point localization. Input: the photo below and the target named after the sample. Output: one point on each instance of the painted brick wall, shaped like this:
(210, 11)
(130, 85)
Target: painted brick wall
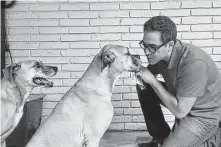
(68, 34)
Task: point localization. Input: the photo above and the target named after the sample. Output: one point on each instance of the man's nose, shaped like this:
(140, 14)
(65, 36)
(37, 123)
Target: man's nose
(147, 52)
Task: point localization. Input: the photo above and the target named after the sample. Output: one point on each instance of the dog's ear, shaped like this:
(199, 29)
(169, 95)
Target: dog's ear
(108, 57)
(10, 72)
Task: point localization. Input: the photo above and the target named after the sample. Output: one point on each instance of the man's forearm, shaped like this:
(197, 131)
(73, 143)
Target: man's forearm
(168, 99)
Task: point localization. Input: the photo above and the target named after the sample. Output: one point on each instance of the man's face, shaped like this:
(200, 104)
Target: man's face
(153, 41)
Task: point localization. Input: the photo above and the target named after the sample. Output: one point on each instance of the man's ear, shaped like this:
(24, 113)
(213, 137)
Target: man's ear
(108, 57)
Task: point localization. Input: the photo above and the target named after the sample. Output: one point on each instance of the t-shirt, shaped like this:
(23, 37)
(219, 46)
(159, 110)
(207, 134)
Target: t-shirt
(191, 72)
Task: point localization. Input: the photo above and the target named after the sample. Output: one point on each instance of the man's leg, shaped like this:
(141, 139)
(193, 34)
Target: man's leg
(153, 115)
(193, 132)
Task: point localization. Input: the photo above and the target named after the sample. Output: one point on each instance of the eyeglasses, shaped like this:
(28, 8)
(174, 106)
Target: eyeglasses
(151, 48)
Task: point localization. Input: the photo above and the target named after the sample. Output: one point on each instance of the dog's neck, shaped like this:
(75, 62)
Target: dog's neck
(18, 93)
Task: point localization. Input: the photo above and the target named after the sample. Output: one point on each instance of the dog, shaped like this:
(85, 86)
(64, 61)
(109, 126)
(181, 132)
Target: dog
(16, 85)
(85, 112)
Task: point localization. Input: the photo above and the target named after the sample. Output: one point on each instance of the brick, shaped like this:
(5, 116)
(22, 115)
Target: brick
(58, 60)
(52, 97)
(118, 111)
(132, 36)
(74, 22)
(19, 38)
(196, 20)
(216, 57)
(116, 126)
(59, 90)
(216, 4)
(49, 105)
(116, 97)
(121, 89)
(197, 35)
(183, 28)
(165, 5)
(133, 111)
(119, 42)
(22, 15)
(44, 7)
(133, 21)
(216, 34)
(170, 13)
(144, 13)
(196, 4)
(135, 126)
(69, 82)
(63, 75)
(71, 37)
(87, 45)
(104, 6)
(119, 82)
(136, 29)
(45, 38)
(53, 15)
(166, 111)
(209, 42)
(84, 30)
(20, 53)
(23, 45)
(53, 30)
(218, 64)
(22, 31)
(113, 14)
(105, 22)
(46, 112)
(122, 118)
(54, 45)
(207, 12)
(75, 67)
(217, 19)
(19, 23)
(206, 27)
(129, 82)
(79, 6)
(114, 29)
(138, 119)
(135, 104)
(76, 52)
(136, 6)
(81, 59)
(45, 53)
(121, 104)
(217, 50)
(38, 23)
(76, 74)
(130, 96)
(100, 37)
(83, 14)
(19, 8)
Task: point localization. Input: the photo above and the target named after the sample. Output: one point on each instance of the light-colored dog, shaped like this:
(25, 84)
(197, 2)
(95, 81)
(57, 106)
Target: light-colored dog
(16, 85)
(85, 112)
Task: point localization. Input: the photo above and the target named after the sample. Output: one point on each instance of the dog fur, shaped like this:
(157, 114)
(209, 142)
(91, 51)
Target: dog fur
(16, 85)
(85, 111)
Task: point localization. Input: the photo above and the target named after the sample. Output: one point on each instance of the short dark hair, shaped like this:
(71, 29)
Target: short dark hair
(164, 25)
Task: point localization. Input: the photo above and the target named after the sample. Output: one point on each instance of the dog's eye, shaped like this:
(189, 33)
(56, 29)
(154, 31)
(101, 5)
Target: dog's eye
(37, 65)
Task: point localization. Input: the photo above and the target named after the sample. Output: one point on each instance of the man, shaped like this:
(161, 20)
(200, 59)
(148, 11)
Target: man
(192, 89)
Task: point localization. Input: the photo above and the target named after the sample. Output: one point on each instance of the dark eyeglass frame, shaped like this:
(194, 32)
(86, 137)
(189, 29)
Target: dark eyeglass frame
(151, 48)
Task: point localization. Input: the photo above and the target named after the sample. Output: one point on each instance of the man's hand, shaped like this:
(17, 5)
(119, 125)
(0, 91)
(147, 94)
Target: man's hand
(145, 75)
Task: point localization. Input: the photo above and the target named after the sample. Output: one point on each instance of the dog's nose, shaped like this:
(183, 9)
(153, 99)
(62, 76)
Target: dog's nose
(55, 68)
(137, 56)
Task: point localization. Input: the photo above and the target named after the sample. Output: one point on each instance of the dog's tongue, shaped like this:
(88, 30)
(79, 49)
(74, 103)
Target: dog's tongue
(42, 81)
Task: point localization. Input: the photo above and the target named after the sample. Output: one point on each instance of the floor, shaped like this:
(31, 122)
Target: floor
(124, 139)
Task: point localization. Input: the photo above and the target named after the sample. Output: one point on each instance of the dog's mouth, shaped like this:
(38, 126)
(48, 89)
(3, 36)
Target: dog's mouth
(42, 81)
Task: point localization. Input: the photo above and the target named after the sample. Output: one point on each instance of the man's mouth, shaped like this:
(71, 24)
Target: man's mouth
(42, 81)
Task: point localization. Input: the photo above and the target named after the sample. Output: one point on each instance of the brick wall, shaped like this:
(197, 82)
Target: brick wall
(68, 34)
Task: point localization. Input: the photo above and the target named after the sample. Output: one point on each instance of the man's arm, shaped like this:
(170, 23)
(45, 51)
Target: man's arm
(180, 106)
(191, 84)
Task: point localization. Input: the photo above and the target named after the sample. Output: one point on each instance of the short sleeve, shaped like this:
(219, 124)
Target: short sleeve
(192, 81)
